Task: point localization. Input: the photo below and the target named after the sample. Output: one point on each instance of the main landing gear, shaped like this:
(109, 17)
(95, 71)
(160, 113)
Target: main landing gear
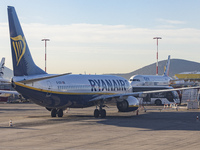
(55, 112)
(100, 112)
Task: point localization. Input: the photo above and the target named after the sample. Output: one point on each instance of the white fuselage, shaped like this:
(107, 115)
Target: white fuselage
(149, 80)
(78, 89)
(81, 83)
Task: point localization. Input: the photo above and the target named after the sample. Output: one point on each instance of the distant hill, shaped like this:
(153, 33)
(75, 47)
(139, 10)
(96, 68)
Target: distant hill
(176, 66)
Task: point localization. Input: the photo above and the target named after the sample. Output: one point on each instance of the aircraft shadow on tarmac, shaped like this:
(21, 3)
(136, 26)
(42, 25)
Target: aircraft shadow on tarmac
(146, 121)
(157, 121)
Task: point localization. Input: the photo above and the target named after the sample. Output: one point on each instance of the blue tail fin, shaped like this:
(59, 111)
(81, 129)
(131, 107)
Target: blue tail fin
(166, 70)
(23, 63)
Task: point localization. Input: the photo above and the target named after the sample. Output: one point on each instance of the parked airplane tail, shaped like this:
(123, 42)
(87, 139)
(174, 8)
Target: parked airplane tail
(166, 70)
(2, 66)
(23, 63)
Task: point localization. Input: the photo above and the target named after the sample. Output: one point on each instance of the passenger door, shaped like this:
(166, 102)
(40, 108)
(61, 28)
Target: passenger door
(49, 88)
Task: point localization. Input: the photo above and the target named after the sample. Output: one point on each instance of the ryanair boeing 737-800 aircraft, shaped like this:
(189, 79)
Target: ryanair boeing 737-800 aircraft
(58, 92)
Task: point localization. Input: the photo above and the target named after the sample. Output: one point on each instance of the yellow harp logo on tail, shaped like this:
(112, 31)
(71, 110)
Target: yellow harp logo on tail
(19, 46)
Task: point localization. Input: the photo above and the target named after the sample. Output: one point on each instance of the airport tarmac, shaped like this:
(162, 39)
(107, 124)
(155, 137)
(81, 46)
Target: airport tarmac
(33, 128)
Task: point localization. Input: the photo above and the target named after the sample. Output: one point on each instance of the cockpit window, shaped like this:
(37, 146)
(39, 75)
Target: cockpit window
(135, 80)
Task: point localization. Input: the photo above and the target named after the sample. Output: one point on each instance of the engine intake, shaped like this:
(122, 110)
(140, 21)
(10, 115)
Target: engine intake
(129, 104)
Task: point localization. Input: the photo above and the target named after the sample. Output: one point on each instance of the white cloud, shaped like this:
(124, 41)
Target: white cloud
(106, 34)
(110, 44)
(171, 21)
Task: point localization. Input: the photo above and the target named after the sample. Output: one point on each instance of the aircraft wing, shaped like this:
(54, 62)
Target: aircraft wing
(135, 94)
(6, 93)
(183, 84)
(115, 96)
(4, 80)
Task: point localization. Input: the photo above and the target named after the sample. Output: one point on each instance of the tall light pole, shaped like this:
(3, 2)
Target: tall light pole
(45, 40)
(157, 38)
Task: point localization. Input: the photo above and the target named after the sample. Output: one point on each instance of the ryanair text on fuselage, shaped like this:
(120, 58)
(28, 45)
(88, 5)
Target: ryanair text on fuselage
(108, 85)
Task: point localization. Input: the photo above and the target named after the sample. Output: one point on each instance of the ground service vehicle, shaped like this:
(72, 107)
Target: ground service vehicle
(157, 98)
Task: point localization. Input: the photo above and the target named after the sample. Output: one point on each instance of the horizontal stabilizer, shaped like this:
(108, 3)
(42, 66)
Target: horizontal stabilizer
(43, 78)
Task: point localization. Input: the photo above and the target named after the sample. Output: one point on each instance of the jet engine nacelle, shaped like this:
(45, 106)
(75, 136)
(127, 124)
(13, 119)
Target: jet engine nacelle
(129, 104)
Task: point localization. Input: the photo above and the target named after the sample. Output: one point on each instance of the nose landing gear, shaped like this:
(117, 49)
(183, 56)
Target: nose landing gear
(100, 112)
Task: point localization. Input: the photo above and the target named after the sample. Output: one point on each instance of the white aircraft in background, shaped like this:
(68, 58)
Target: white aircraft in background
(152, 80)
(58, 92)
(5, 81)
(139, 81)
(2, 80)
(2, 66)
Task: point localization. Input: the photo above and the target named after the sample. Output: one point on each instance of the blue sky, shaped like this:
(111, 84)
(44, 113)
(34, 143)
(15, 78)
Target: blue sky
(104, 36)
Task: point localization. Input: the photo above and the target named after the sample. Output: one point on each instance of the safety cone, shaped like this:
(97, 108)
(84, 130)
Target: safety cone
(10, 123)
(197, 118)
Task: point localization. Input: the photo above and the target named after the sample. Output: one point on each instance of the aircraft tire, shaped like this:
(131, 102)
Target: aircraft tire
(53, 112)
(60, 113)
(96, 113)
(103, 113)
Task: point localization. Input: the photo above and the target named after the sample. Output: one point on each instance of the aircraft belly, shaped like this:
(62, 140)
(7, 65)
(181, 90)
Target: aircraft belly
(53, 100)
